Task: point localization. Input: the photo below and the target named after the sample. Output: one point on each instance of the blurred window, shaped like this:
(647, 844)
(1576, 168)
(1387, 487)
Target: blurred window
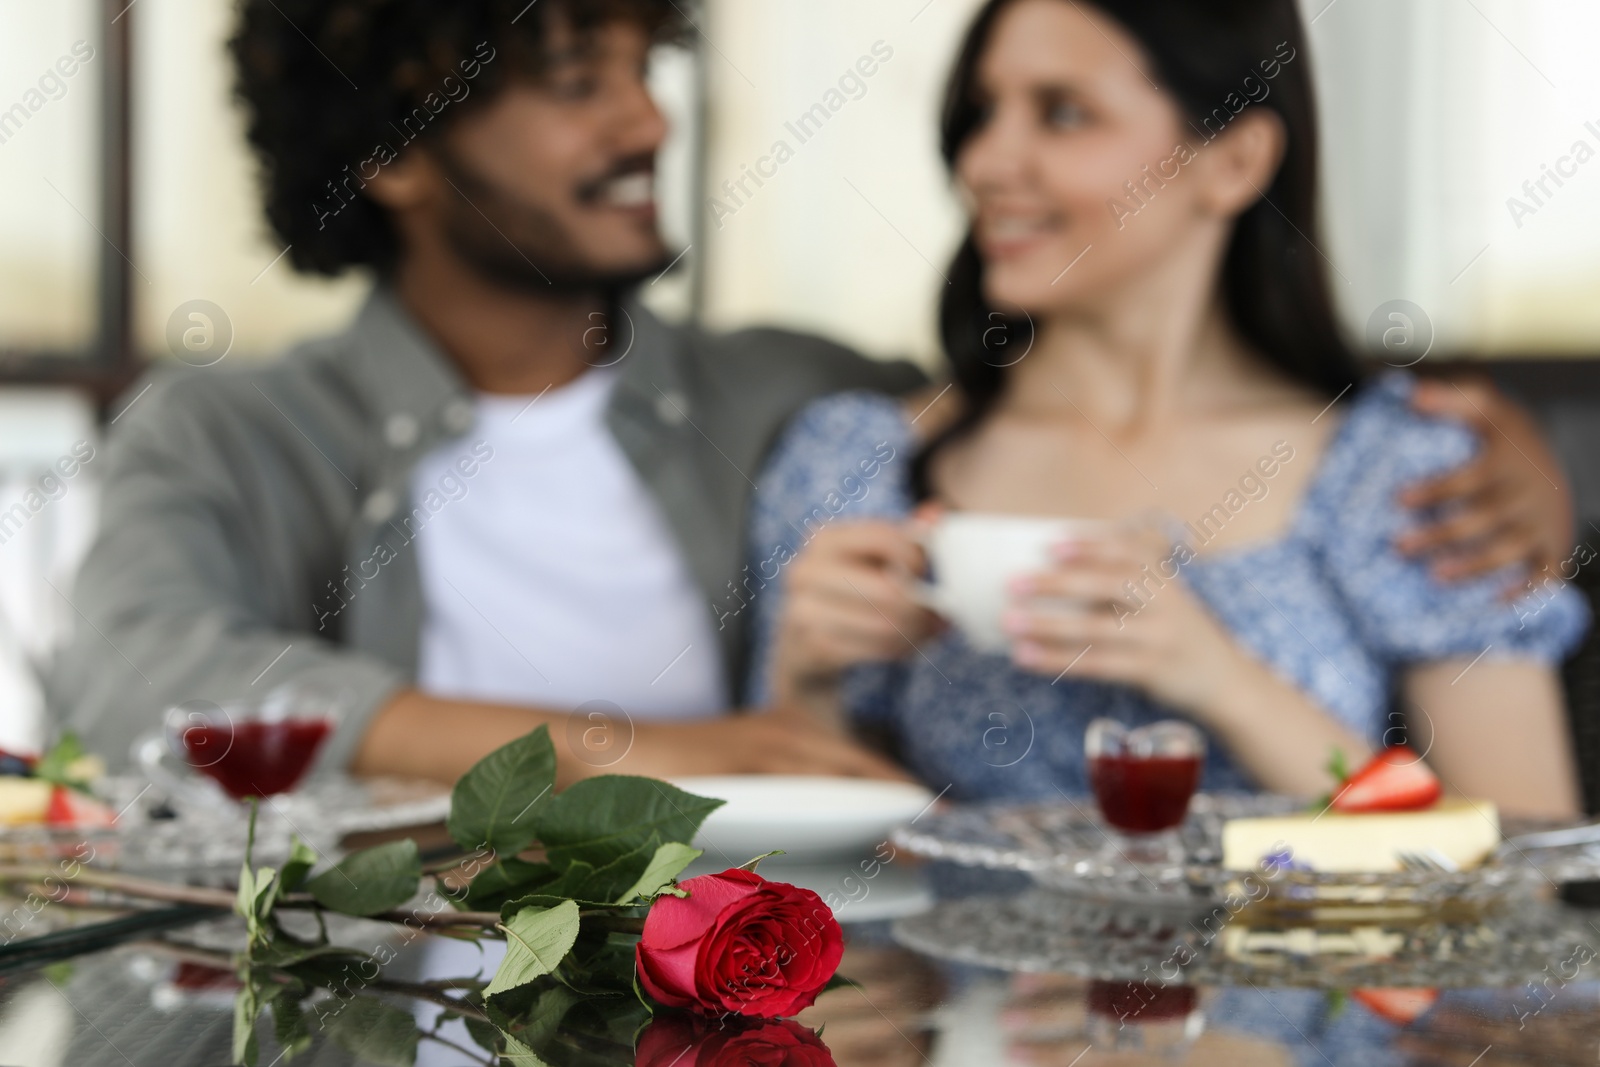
(1455, 176)
(52, 61)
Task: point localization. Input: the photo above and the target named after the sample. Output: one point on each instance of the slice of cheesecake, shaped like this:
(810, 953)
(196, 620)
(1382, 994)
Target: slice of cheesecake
(23, 801)
(1464, 830)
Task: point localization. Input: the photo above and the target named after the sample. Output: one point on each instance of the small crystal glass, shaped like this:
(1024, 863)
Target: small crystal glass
(248, 748)
(1144, 1016)
(1142, 780)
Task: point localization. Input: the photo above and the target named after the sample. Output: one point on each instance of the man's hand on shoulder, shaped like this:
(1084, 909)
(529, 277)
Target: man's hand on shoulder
(1509, 504)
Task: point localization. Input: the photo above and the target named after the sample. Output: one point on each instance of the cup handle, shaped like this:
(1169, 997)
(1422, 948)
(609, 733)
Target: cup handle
(922, 591)
(148, 752)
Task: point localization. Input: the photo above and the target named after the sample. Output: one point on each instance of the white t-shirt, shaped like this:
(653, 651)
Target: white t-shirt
(549, 574)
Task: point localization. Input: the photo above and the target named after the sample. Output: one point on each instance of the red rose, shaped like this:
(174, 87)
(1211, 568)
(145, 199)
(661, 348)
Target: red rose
(739, 944)
(678, 1040)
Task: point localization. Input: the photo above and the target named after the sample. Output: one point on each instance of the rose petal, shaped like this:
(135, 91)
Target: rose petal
(739, 944)
(675, 921)
(677, 1040)
(669, 976)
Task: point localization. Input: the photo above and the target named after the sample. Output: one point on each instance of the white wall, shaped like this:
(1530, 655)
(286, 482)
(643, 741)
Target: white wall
(853, 233)
(1434, 112)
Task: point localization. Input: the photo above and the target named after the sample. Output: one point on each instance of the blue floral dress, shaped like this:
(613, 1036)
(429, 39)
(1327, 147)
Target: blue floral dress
(1329, 604)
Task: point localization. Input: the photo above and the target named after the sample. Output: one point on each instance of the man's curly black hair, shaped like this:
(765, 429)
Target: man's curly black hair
(332, 87)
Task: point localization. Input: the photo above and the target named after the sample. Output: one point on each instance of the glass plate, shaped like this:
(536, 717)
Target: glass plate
(1046, 931)
(152, 837)
(1065, 847)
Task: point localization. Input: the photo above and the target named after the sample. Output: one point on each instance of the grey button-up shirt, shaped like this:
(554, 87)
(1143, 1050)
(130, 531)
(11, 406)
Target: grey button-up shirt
(256, 529)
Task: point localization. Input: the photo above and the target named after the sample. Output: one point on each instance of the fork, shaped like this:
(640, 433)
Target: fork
(1427, 861)
(1587, 834)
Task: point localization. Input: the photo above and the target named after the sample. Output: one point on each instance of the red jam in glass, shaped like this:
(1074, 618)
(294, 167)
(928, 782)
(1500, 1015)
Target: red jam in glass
(1144, 795)
(1141, 1001)
(196, 976)
(255, 759)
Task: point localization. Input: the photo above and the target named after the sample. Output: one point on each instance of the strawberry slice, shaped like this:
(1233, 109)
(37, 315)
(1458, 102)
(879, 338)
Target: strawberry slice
(1395, 779)
(68, 807)
(1399, 1006)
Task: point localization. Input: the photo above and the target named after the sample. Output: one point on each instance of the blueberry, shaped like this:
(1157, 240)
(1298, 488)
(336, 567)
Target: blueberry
(14, 766)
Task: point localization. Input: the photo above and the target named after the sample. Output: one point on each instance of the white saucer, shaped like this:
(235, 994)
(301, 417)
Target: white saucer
(803, 815)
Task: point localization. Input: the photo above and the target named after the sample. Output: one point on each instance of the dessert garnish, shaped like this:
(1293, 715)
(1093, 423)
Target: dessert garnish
(1395, 779)
(52, 788)
(1399, 1006)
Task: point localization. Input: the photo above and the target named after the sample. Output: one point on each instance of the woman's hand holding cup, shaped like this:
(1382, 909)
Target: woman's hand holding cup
(1115, 609)
(849, 600)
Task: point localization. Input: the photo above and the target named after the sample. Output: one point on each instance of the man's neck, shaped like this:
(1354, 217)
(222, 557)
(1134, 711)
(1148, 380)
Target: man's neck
(503, 341)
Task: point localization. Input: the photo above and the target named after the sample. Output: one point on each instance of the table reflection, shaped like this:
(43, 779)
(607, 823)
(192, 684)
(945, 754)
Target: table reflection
(169, 1000)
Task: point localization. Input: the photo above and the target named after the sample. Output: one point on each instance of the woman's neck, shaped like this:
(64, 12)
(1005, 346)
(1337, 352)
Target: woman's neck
(1136, 360)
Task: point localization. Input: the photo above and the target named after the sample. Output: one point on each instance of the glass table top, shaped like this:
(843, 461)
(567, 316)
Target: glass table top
(951, 968)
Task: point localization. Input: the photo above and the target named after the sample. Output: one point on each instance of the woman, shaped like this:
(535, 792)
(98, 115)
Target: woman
(1139, 321)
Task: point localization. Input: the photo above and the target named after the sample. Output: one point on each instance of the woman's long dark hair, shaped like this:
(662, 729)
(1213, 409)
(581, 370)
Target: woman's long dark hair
(1274, 278)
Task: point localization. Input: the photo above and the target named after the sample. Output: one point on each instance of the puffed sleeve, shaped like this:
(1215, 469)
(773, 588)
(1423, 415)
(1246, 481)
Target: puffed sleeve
(842, 458)
(1403, 613)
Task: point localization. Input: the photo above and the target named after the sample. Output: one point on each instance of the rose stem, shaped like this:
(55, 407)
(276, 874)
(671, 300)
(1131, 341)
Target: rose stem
(223, 899)
(430, 991)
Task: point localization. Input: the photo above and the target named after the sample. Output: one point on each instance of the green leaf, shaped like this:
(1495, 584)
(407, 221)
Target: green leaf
(301, 859)
(839, 981)
(246, 1006)
(289, 1027)
(244, 900)
(253, 901)
(621, 875)
(52, 766)
(574, 881)
(500, 882)
(376, 1032)
(622, 1016)
(497, 802)
(542, 901)
(487, 1035)
(372, 880)
(584, 885)
(754, 862)
(1338, 766)
(266, 891)
(519, 1055)
(603, 819)
(544, 1018)
(669, 862)
(537, 940)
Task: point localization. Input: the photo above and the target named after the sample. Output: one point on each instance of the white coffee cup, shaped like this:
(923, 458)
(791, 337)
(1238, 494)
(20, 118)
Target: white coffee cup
(973, 557)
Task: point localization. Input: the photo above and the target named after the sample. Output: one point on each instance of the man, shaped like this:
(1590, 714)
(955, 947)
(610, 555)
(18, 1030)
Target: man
(508, 494)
